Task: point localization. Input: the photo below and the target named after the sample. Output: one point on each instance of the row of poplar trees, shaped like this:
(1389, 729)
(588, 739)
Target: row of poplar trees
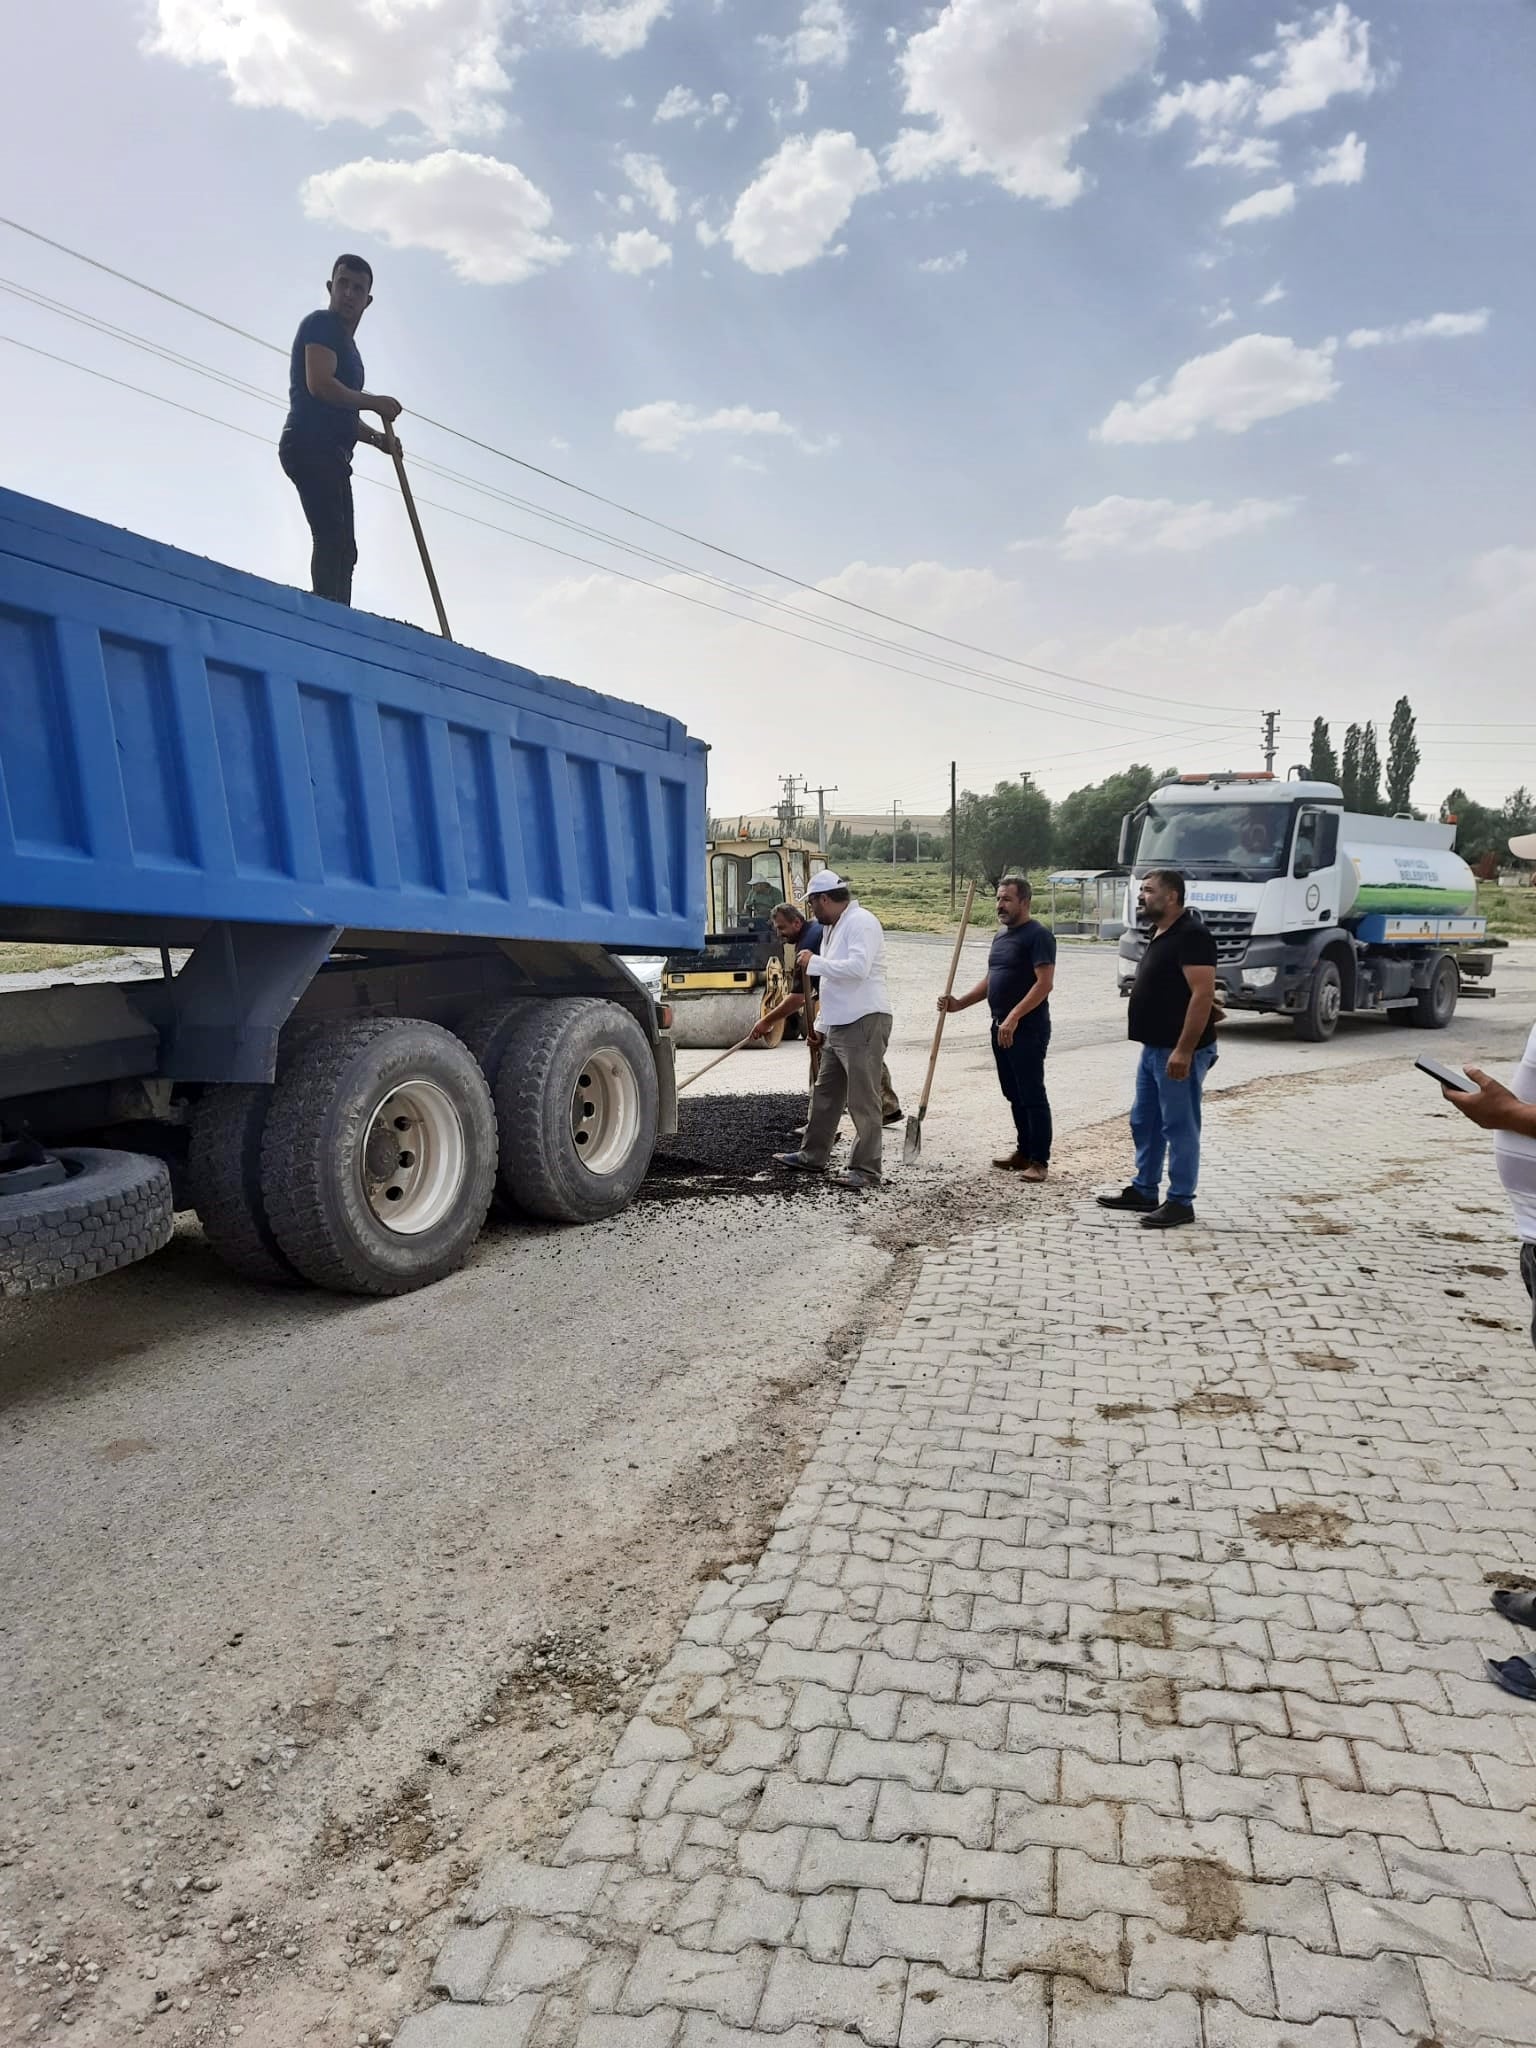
(1358, 774)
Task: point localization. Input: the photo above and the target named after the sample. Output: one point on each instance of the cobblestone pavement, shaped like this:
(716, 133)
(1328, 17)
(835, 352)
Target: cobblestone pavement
(1115, 1671)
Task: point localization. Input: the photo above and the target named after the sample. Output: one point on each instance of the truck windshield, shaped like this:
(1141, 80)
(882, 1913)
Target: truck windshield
(1245, 842)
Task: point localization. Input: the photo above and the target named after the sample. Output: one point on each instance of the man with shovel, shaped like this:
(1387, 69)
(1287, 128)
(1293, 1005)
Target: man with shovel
(325, 396)
(855, 1022)
(1021, 972)
(805, 934)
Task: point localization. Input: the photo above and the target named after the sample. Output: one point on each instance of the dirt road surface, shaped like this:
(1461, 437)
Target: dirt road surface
(309, 1601)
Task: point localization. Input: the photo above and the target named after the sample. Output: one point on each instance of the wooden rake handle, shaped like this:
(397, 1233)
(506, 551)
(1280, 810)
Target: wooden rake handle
(714, 1063)
(421, 540)
(949, 989)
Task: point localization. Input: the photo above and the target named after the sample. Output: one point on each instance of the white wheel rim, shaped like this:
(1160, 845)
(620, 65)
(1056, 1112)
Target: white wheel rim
(413, 1160)
(605, 1111)
(1332, 1001)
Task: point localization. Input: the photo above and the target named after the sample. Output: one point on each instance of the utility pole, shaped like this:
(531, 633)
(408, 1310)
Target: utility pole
(1271, 746)
(954, 853)
(788, 806)
(895, 812)
(823, 791)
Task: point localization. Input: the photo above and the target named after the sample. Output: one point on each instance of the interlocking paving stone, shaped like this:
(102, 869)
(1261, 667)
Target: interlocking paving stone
(1045, 1727)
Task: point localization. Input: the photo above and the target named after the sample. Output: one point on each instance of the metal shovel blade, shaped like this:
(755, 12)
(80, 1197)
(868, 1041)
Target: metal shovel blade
(914, 1139)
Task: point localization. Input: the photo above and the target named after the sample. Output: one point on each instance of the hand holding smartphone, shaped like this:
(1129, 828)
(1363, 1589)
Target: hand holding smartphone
(1448, 1077)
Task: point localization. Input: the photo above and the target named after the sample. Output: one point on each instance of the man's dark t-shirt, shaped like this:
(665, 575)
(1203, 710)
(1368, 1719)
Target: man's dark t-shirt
(311, 422)
(1160, 994)
(1017, 952)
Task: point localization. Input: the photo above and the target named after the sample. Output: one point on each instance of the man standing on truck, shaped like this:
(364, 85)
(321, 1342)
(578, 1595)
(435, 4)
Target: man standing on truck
(805, 934)
(1021, 972)
(855, 1022)
(325, 396)
(1172, 999)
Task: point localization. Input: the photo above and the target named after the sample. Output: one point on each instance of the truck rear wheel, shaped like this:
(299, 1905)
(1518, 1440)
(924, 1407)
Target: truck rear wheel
(1325, 999)
(1435, 1003)
(224, 1166)
(577, 1105)
(379, 1156)
(108, 1210)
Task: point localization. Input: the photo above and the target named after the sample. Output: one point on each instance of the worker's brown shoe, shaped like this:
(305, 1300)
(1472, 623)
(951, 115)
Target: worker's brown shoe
(1014, 1163)
(1035, 1171)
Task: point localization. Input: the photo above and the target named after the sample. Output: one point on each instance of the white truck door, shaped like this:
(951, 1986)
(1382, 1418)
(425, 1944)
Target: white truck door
(1312, 885)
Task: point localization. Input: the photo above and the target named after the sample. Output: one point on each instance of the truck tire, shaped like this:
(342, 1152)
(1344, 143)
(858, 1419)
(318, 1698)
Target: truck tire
(1435, 1003)
(379, 1155)
(224, 1167)
(113, 1208)
(577, 1109)
(1325, 998)
(489, 1029)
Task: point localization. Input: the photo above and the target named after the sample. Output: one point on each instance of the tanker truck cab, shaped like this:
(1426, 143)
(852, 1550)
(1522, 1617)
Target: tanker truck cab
(1317, 912)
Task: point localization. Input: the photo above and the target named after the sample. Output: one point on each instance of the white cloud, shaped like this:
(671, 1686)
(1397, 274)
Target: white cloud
(1311, 64)
(1345, 459)
(1250, 153)
(666, 426)
(438, 61)
(682, 103)
(1437, 327)
(1009, 85)
(823, 35)
(945, 266)
(1319, 64)
(1143, 525)
(799, 200)
(484, 215)
(1218, 316)
(1269, 204)
(1273, 296)
(615, 27)
(1493, 639)
(652, 183)
(1344, 164)
(638, 251)
(1255, 378)
(706, 234)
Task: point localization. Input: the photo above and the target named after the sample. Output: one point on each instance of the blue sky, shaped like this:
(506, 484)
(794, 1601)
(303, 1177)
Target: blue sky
(1182, 348)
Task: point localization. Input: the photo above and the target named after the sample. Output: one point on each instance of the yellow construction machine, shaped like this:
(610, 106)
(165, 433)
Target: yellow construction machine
(744, 969)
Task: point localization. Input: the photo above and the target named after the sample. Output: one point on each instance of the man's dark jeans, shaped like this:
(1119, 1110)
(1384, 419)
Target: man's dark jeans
(1021, 1076)
(321, 473)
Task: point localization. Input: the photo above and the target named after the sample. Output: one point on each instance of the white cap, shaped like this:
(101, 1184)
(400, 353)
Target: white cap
(1524, 848)
(824, 883)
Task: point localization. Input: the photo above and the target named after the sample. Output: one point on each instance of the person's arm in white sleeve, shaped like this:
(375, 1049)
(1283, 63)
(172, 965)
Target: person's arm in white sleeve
(857, 961)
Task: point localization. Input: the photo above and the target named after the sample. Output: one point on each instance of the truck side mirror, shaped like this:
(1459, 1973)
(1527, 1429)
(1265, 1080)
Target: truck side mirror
(1128, 826)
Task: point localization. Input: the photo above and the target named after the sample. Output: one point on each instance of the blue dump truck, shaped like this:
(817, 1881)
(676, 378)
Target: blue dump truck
(392, 883)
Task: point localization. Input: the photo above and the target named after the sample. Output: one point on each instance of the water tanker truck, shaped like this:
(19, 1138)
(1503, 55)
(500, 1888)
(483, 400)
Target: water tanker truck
(1317, 912)
(392, 884)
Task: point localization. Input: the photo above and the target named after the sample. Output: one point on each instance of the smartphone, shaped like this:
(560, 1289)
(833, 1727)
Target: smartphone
(1448, 1077)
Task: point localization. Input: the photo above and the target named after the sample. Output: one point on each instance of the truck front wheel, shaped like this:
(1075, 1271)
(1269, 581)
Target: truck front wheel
(1435, 1003)
(378, 1156)
(576, 1104)
(1325, 999)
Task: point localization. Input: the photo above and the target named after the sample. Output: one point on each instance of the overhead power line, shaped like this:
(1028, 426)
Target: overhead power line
(616, 505)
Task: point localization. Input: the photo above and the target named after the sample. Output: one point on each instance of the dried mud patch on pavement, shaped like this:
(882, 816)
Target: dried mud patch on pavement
(1216, 1405)
(1303, 1522)
(1206, 1893)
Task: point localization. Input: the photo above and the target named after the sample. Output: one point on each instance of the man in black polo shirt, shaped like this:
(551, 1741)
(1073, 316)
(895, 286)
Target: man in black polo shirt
(1021, 972)
(1172, 1000)
(325, 396)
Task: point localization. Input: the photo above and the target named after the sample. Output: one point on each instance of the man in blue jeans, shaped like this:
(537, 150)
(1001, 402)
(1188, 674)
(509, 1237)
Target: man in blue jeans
(1172, 1001)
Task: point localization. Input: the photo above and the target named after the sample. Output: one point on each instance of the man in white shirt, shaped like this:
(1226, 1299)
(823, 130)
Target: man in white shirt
(855, 1022)
(1510, 1113)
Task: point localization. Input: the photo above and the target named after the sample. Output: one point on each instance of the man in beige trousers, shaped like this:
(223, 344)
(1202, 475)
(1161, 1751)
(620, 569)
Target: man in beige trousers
(855, 1024)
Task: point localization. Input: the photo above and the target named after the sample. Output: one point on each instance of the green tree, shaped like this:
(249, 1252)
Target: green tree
(1479, 829)
(1369, 795)
(1324, 764)
(1349, 775)
(1004, 832)
(1402, 757)
(1517, 814)
(1088, 821)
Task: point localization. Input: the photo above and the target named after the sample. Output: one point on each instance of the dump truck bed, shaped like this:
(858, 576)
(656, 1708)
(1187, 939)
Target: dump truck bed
(181, 743)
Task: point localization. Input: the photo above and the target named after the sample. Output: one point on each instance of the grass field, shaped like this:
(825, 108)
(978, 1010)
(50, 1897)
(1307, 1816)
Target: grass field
(1511, 913)
(38, 959)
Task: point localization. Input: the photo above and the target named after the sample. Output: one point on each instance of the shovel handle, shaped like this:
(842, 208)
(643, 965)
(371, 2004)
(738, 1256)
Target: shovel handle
(710, 1068)
(949, 989)
(398, 454)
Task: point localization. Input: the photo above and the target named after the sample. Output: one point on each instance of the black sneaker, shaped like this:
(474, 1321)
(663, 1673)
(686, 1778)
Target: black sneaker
(1128, 1198)
(1171, 1216)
